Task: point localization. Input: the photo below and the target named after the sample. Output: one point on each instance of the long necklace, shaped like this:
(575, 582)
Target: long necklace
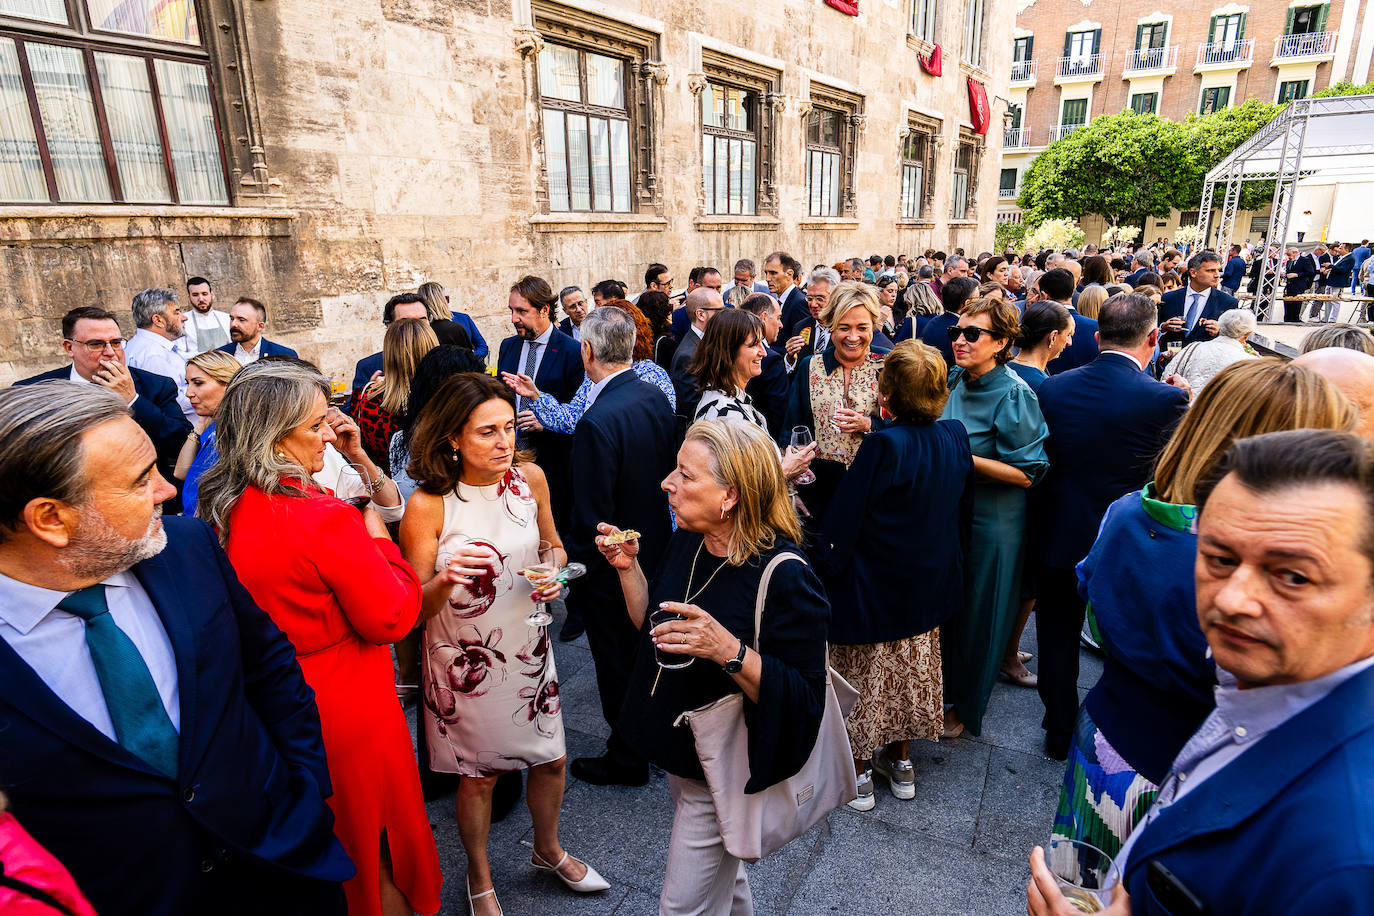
(691, 596)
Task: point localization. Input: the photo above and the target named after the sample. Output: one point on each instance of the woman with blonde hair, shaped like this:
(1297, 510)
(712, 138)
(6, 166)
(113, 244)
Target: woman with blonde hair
(450, 326)
(1090, 300)
(1156, 685)
(378, 405)
(733, 519)
(911, 483)
(921, 305)
(207, 374)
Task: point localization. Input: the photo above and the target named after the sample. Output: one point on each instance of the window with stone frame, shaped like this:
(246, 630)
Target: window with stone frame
(104, 101)
(923, 19)
(739, 104)
(918, 165)
(966, 159)
(832, 126)
(596, 81)
(973, 32)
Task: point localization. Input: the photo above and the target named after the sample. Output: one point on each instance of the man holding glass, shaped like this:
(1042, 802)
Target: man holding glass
(1267, 808)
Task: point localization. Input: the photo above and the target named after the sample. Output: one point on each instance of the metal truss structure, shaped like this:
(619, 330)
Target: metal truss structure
(1330, 137)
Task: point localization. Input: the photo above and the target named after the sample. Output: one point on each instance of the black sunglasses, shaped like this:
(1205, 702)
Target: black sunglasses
(971, 334)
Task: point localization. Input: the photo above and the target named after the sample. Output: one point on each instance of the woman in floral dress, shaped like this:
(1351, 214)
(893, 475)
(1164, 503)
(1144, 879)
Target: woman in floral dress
(490, 685)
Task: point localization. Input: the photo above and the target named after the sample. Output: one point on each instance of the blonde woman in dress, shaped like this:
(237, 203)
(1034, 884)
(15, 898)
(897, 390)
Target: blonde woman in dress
(491, 701)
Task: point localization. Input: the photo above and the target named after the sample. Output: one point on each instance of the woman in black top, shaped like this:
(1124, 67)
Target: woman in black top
(733, 517)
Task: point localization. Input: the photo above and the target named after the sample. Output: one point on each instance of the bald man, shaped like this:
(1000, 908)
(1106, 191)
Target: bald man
(702, 303)
(1353, 373)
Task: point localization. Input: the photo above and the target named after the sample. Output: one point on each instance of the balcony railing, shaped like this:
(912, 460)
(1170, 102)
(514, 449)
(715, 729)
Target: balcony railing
(1022, 71)
(1151, 59)
(1008, 193)
(1226, 52)
(1060, 131)
(1311, 44)
(1086, 65)
(1016, 137)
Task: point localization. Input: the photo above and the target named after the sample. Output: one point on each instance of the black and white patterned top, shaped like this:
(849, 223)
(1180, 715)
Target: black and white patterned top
(717, 405)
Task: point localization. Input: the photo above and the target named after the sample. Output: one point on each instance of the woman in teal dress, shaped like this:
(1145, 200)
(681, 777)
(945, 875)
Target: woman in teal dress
(1007, 437)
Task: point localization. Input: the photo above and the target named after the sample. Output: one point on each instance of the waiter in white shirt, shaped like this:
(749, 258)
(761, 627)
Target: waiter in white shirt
(160, 324)
(206, 327)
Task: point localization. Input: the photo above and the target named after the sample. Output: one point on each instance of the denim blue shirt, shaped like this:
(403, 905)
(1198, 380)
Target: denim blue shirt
(562, 418)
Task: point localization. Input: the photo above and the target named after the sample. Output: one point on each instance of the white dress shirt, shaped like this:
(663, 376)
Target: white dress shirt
(211, 326)
(248, 356)
(151, 352)
(53, 643)
(1203, 296)
(599, 386)
(543, 341)
(76, 378)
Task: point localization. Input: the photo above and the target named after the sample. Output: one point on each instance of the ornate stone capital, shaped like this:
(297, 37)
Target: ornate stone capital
(859, 122)
(654, 70)
(696, 83)
(528, 41)
(776, 100)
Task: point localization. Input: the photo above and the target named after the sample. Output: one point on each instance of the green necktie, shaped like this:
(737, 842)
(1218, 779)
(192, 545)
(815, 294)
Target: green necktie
(140, 721)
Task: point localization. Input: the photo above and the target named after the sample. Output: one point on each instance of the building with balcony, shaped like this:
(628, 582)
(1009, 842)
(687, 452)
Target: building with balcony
(1171, 59)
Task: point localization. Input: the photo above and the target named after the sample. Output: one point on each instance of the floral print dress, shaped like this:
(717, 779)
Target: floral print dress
(490, 686)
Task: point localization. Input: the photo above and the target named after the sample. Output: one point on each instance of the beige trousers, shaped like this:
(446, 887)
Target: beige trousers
(703, 879)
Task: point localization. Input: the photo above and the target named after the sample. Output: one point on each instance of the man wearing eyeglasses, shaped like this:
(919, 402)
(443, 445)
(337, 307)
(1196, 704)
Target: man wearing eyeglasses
(91, 337)
(702, 305)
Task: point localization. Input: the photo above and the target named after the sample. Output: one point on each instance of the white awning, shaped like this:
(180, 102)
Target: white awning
(1335, 139)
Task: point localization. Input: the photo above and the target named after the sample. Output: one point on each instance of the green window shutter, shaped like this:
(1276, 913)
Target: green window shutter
(1212, 30)
(1240, 34)
(1223, 97)
(1288, 26)
(1139, 34)
(1321, 16)
(1097, 42)
(1068, 37)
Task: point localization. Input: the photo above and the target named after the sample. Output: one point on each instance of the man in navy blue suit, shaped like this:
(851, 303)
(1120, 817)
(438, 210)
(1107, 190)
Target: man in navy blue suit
(1267, 809)
(573, 302)
(91, 337)
(708, 277)
(247, 321)
(1234, 273)
(1108, 421)
(1190, 313)
(623, 447)
(780, 271)
(1299, 272)
(369, 366)
(159, 738)
(1057, 286)
(770, 387)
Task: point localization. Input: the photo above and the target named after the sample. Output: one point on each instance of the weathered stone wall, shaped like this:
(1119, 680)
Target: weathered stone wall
(405, 136)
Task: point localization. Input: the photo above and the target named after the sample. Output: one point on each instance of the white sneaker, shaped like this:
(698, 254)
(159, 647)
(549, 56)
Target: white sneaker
(865, 800)
(900, 774)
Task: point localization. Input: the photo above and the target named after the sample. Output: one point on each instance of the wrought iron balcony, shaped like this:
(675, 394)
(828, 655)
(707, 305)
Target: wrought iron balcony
(1087, 65)
(1008, 193)
(1060, 131)
(1022, 71)
(1215, 53)
(1151, 59)
(1311, 44)
(1016, 138)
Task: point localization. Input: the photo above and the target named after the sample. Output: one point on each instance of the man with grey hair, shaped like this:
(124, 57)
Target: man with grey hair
(623, 447)
(159, 323)
(156, 722)
(702, 304)
(812, 336)
(745, 273)
(574, 304)
(1201, 361)
(956, 265)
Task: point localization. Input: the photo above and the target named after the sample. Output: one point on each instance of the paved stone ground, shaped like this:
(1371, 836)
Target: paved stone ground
(958, 848)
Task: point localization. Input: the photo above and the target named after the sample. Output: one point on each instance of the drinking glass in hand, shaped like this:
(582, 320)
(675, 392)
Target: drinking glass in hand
(801, 438)
(540, 575)
(351, 486)
(670, 660)
(1086, 875)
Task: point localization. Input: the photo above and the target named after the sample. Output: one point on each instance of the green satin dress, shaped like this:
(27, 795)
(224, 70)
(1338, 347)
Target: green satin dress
(1004, 423)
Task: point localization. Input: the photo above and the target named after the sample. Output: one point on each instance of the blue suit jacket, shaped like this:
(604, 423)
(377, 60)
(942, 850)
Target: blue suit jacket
(479, 344)
(936, 334)
(1082, 351)
(1108, 421)
(770, 388)
(794, 313)
(252, 778)
(1286, 828)
(362, 372)
(1234, 273)
(1174, 305)
(268, 349)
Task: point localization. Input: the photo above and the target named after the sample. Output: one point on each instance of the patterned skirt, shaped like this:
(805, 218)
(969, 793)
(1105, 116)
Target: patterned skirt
(1102, 798)
(901, 691)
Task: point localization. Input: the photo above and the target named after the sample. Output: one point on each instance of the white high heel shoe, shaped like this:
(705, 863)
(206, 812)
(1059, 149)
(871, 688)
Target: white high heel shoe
(591, 882)
(487, 893)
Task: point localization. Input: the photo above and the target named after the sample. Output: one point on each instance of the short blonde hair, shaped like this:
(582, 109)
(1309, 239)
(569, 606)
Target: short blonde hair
(220, 366)
(849, 295)
(1090, 300)
(745, 459)
(914, 379)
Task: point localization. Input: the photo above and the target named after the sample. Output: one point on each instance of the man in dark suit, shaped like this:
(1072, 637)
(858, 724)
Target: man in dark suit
(954, 293)
(810, 335)
(160, 739)
(1057, 286)
(769, 389)
(247, 321)
(1108, 421)
(91, 337)
(780, 271)
(574, 304)
(702, 305)
(707, 277)
(369, 366)
(1234, 273)
(1144, 263)
(623, 447)
(541, 352)
(1267, 809)
(1299, 272)
(1190, 312)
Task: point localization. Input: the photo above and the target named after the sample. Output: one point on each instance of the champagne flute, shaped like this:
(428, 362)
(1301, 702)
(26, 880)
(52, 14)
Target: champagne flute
(541, 574)
(801, 438)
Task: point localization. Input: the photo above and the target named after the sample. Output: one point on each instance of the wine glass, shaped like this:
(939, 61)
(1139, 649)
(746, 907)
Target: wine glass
(801, 438)
(351, 486)
(541, 575)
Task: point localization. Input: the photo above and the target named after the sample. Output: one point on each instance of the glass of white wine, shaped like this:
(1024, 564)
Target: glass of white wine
(1086, 875)
(540, 575)
(801, 438)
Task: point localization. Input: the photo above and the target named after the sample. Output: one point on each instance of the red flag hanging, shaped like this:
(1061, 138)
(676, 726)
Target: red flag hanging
(980, 112)
(845, 6)
(930, 61)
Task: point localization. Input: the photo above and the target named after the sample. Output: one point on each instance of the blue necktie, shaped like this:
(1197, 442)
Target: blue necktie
(1192, 312)
(140, 721)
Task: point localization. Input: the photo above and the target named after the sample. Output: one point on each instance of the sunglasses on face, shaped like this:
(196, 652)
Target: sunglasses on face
(970, 334)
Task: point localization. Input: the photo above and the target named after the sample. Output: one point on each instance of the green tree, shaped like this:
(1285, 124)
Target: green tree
(1124, 167)
(1211, 138)
(1345, 87)
(1009, 236)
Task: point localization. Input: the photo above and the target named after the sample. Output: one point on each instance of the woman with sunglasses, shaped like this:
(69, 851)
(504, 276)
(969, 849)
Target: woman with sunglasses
(1007, 435)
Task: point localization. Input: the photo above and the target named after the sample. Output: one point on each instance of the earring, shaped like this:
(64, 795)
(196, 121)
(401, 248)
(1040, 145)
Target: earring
(455, 454)
(280, 456)
(722, 511)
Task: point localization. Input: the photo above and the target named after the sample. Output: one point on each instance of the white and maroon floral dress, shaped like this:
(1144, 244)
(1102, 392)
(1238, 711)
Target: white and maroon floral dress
(490, 686)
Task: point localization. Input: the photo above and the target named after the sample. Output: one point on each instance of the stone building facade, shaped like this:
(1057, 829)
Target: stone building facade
(1074, 60)
(321, 155)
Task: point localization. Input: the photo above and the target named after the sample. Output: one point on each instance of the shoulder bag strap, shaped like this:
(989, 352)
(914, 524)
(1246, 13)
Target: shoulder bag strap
(763, 596)
(33, 892)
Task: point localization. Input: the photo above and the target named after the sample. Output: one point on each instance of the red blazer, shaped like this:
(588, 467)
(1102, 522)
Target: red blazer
(24, 860)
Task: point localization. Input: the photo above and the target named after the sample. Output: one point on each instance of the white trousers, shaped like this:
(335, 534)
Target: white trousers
(703, 879)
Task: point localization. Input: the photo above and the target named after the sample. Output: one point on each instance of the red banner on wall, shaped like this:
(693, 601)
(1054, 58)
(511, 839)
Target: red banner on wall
(845, 6)
(980, 112)
(930, 63)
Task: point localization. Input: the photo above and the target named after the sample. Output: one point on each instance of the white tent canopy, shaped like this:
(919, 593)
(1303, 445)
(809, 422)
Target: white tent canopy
(1331, 138)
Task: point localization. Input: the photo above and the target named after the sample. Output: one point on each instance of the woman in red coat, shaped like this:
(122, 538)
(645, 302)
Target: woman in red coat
(331, 578)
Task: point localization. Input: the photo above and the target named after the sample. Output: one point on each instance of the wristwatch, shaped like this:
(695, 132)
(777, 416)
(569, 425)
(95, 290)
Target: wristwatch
(736, 664)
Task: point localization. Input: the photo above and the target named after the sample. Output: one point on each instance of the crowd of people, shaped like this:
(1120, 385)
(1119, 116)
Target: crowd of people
(221, 580)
